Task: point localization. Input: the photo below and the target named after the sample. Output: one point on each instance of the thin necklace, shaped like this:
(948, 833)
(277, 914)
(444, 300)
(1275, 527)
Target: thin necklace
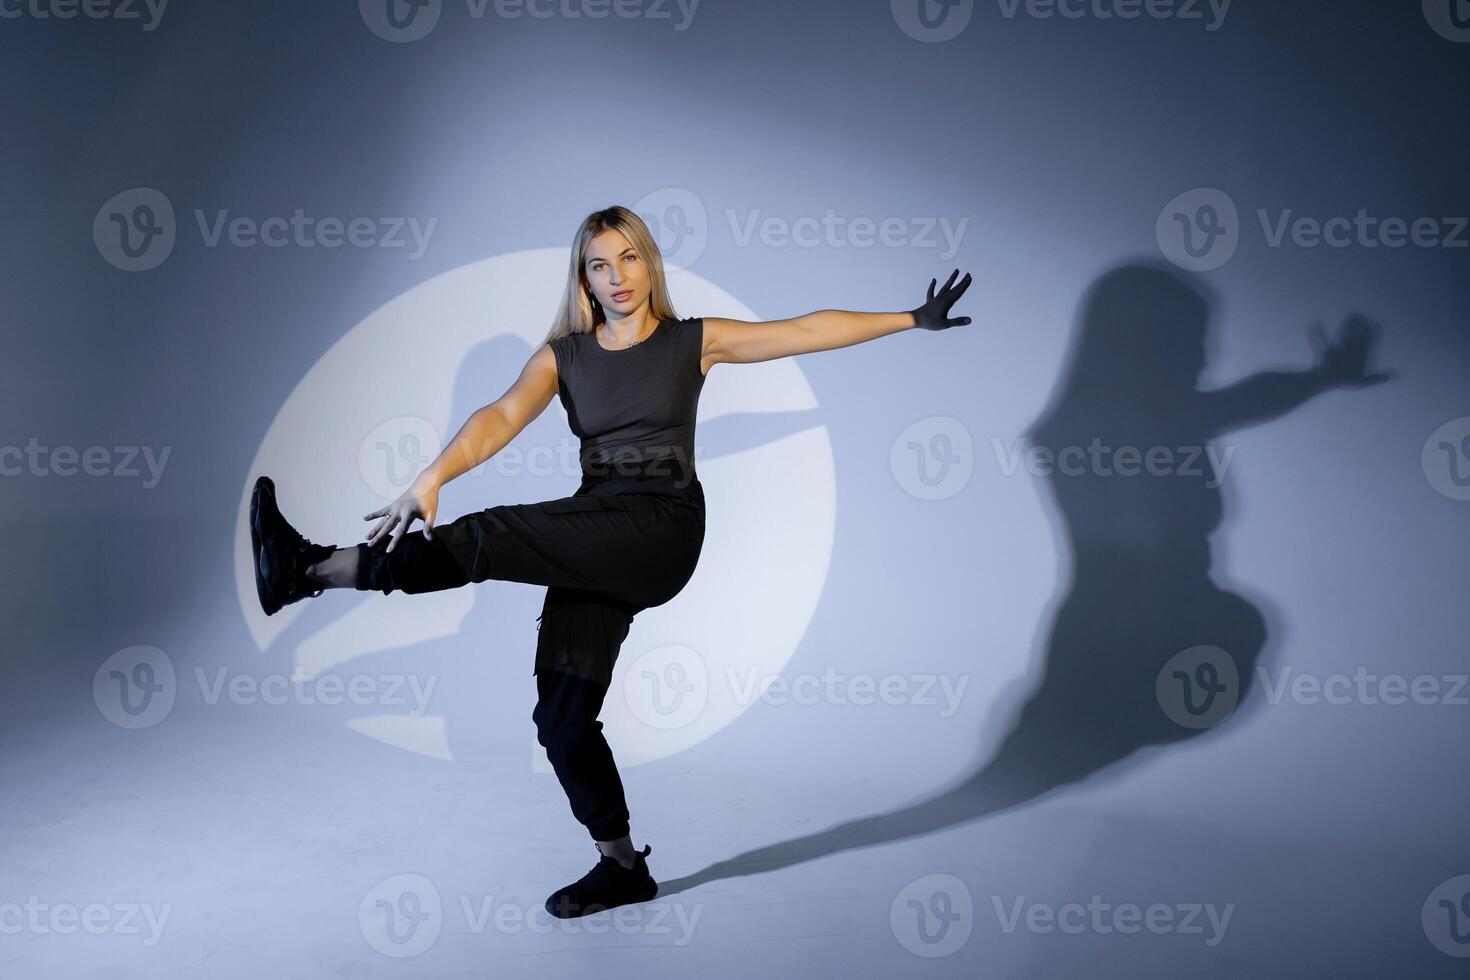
(634, 343)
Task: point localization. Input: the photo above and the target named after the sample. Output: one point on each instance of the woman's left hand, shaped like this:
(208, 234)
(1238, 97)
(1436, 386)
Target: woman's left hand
(934, 314)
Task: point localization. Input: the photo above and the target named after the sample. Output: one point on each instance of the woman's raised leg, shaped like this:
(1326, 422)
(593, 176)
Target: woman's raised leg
(635, 549)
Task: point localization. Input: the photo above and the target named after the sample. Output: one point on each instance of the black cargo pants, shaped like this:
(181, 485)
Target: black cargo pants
(605, 554)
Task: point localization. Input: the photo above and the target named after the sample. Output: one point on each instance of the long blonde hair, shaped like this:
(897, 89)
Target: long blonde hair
(576, 313)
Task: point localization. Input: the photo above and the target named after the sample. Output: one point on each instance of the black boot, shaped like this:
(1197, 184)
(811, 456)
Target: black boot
(282, 555)
(606, 886)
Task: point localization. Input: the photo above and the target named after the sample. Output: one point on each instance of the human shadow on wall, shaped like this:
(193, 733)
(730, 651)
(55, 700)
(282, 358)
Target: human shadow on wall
(1145, 648)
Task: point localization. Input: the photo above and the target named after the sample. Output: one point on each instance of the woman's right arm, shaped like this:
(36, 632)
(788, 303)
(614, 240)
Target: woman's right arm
(491, 428)
(483, 435)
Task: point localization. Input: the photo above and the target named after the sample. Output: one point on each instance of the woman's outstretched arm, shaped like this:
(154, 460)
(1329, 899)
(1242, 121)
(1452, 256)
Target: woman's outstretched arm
(484, 433)
(743, 342)
(491, 428)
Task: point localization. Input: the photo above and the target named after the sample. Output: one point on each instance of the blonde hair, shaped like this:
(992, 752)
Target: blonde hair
(576, 313)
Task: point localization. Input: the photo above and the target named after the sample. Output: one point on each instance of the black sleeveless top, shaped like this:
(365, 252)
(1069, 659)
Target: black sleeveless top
(633, 408)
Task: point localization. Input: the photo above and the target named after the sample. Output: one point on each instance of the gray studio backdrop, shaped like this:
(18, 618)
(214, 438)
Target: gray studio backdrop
(1089, 639)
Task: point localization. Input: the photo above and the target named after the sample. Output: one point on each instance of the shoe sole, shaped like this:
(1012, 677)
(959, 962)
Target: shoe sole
(599, 907)
(263, 592)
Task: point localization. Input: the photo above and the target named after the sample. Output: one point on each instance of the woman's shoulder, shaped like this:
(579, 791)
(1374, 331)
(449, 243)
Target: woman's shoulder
(690, 330)
(568, 342)
(564, 349)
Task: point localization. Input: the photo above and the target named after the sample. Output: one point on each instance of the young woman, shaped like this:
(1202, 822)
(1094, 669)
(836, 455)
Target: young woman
(629, 372)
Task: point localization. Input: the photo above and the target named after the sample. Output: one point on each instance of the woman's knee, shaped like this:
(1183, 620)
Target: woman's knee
(567, 737)
(565, 716)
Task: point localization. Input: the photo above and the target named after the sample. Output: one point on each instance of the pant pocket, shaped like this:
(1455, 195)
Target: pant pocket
(574, 505)
(580, 636)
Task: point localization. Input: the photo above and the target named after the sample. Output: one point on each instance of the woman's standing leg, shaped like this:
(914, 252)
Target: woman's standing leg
(567, 727)
(578, 640)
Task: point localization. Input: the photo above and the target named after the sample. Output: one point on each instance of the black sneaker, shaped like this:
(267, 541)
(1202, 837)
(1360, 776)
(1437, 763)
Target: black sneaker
(606, 886)
(282, 555)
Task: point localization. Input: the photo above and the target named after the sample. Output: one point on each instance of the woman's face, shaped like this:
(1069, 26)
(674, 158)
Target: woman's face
(616, 273)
